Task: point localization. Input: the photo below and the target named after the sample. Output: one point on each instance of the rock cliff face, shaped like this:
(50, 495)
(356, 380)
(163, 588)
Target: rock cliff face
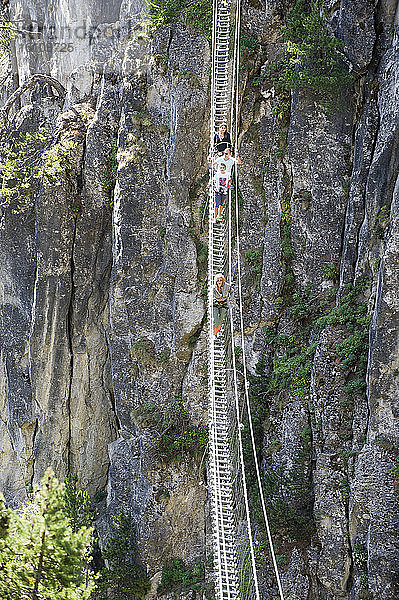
(102, 328)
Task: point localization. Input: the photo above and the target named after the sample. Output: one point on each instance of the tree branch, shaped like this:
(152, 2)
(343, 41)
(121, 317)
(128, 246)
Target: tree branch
(10, 27)
(30, 83)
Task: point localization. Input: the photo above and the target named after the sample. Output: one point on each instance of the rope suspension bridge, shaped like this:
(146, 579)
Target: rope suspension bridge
(234, 544)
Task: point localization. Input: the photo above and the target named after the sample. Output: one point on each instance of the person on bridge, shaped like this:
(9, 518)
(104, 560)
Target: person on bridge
(228, 160)
(222, 139)
(220, 185)
(221, 291)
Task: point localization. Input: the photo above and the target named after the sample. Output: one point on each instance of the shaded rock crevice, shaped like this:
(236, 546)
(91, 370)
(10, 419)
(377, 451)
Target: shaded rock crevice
(69, 332)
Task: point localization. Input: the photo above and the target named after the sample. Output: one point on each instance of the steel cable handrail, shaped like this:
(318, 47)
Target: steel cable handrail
(246, 383)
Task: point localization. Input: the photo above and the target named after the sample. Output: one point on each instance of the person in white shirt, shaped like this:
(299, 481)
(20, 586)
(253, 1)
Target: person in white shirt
(220, 185)
(228, 160)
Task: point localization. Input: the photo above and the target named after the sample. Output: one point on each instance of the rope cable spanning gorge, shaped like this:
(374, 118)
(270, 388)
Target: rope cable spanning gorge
(234, 543)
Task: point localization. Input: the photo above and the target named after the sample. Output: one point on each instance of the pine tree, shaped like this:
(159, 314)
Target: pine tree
(124, 577)
(4, 519)
(41, 556)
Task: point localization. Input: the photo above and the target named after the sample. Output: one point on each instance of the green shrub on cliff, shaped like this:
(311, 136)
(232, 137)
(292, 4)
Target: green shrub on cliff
(192, 13)
(291, 371)
(57, 161)
(177, 437)
(176, 576)
(19, 166)
(111, 170)
(25, 162)
(254, 259)
(312, 58)
(7, 33)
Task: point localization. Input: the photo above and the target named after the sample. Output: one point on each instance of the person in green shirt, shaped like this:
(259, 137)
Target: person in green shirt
(221, 291)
